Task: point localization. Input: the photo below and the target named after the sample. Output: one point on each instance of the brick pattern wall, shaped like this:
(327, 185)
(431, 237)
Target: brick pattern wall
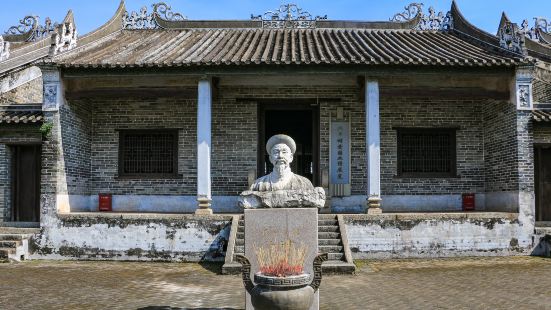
(30, 92)
(542, 133)
(465, 115)
(108, 116)
(76, 121)
(541, 91)
(500, 152)
(525, 142)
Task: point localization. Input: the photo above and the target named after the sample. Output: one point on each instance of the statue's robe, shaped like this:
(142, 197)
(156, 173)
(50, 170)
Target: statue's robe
(295, 182)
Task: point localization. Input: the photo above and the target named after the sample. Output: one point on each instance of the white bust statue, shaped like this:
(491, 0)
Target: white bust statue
(281, 149)
(282, 188)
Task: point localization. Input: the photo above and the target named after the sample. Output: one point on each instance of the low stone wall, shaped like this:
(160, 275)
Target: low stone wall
(437, 235)
(120, 236)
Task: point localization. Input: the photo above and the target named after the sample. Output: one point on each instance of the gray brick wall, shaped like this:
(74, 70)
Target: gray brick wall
(30, 92)
(465, 115)
(542, 133)
(76, 121)
(108, 116)
(500, 136)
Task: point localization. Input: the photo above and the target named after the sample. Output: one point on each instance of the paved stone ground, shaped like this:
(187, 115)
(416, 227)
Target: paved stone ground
(462, 283)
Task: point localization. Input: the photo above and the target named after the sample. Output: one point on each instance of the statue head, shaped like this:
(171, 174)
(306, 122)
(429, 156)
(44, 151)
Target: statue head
(281, 149)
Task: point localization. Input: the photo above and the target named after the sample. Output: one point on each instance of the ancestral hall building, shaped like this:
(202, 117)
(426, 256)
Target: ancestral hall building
(407, 124)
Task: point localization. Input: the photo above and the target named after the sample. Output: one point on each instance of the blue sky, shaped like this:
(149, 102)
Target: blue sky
(90, 14)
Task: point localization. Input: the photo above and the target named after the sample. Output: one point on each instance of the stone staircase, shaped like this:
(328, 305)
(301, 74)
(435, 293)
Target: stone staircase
(14, 243)
(331, 240)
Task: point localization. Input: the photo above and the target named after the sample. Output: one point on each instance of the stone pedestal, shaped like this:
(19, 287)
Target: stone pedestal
(266, 226)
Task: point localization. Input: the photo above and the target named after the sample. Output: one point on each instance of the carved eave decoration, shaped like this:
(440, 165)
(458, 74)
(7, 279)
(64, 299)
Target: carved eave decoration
(158, 19)
(65, 36)
(4, 49)
(287, 16)
(431, 21)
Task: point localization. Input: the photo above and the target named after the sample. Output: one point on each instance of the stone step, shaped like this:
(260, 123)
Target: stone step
(337, 267)
(328, 228)
(327, 217)
(240, 235)
(9, 244)
(240, 242)
(328, 223)
(10, 237)
(241, 223)
(329, 242)
(335, 256)
(241, 229)
(239, 249)
(330, 248)
(231, 268)
(18, 231)
(329, 235)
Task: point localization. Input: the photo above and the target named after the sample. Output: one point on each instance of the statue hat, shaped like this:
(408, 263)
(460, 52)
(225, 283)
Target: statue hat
(278, 139)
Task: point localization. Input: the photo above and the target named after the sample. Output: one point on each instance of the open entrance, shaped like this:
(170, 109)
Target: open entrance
(543, 182)
(25, 183)
(300, 121)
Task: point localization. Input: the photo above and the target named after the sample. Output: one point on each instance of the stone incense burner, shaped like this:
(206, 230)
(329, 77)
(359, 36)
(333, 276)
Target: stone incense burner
(290, 293)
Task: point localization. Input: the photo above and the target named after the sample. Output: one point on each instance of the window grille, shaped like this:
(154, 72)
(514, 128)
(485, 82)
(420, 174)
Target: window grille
(426, 152)
(148, 153)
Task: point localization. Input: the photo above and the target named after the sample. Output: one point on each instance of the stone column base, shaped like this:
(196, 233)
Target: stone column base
(203, 206)
(374, 205)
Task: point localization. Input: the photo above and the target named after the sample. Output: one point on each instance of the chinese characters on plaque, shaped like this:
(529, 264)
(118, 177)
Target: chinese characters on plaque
(340, 153)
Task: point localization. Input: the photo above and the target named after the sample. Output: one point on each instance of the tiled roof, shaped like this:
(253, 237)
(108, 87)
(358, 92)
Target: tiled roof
(188, 47)
(541, 116)
(15, 116)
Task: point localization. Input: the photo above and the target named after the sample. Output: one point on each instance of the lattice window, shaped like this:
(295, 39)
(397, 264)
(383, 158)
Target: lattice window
(426, 152)
(148, 153)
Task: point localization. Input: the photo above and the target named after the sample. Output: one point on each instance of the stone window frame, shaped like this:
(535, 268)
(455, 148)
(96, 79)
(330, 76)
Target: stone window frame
(123, 133)
(452, 132)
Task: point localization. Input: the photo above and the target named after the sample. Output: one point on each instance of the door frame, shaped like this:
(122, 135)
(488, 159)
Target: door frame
(290, 105)
(537, 170)
(15, 181)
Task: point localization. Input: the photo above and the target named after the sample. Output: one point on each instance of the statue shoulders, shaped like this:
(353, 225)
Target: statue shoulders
(303, 183)
(261, 183)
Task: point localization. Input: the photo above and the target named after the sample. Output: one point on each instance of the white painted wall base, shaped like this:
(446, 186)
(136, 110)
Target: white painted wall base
(498, 202)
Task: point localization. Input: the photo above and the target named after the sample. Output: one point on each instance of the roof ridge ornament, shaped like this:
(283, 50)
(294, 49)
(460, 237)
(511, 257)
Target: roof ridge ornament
(29, 25)
(65, 36)
(541, 24)
(143, 20)
(432, 21)
(4, 49)
(288, 16)
(512, 38)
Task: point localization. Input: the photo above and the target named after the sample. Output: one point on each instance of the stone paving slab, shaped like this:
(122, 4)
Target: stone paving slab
(462, 283)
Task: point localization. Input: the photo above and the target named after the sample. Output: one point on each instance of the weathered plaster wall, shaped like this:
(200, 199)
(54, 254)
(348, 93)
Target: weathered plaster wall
(436, 235)
(132, 237)
(30, 92)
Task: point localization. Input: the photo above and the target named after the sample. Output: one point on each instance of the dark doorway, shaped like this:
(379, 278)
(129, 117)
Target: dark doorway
(25, 183)
(543, 182)
(300, 121)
